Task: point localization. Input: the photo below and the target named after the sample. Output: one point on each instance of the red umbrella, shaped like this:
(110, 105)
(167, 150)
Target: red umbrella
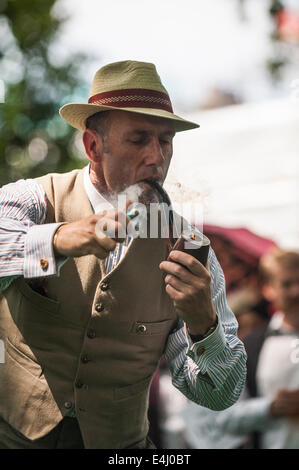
(238, 251)
(248, 245)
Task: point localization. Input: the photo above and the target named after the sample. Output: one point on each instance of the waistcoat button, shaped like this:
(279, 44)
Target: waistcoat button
(104, 285)
(91, 334)
(85, 359)
(79, 384)
(141, 329)
(68, 405)
(99, 307)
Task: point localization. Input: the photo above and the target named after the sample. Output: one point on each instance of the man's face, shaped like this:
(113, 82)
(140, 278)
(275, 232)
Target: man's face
(284, 289)
(136, 147)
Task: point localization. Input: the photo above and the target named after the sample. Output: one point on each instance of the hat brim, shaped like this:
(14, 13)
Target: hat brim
(77, 113)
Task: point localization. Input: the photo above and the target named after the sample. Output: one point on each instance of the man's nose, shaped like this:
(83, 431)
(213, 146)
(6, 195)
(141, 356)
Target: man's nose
(295, 290)
(154, 153)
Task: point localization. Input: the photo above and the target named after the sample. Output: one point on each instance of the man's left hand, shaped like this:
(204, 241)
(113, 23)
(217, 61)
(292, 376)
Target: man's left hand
(188, 283)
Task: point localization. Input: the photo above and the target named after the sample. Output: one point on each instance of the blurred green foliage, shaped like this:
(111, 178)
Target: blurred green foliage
(34, 139)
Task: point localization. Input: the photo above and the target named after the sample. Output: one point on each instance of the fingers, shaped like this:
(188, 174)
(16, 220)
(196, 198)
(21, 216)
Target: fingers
(185, 268)
(110, 229)
(288, 395)
(189, 262)
(181, 285)
(112, 224)
(285, 403)
(284, 409)
(119, 215)
(175, 270)
(174, 293)
(176, 283)
(100, 252)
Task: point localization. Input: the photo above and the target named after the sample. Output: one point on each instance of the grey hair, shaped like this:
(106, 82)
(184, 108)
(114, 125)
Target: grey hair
(99, 122)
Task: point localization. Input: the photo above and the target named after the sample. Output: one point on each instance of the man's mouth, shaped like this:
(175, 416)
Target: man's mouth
(150, 180)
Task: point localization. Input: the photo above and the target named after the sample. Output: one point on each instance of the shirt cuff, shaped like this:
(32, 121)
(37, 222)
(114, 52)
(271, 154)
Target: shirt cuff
(202, 352)
(39, 258)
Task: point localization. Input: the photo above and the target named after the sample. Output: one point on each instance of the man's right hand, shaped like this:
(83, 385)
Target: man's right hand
(84, 237)
(285, 403)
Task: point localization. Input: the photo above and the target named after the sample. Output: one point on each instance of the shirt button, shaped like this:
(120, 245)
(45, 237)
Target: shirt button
(44, 263)
(141, 328)
(68, 405)
(91, 334)
(99, 307)
(85, 359)
(200, 350)
(105, 286)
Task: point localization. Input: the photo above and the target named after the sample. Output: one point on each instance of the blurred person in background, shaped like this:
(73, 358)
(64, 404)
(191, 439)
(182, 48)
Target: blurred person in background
(273, 372)
(86, 318)
(268, 409)
(207, 429)
(249, 309)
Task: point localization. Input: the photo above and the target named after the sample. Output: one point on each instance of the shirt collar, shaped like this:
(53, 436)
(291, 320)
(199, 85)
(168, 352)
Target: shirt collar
(276, 321)
(97, 201)
(277, 324)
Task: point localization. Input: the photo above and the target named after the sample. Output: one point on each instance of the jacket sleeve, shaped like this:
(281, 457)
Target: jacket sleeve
(212, 371)
(24, 239)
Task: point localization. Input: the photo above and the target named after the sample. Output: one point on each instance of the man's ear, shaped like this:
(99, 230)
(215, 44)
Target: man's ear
(93, 144)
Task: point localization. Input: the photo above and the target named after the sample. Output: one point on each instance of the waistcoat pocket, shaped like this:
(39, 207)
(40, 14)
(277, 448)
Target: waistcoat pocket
(148, 328)
(38, 300)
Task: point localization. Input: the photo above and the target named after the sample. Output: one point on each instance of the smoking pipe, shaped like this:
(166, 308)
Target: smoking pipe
(191, 241)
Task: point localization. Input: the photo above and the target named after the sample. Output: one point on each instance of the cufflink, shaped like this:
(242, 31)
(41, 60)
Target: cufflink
(44, 263)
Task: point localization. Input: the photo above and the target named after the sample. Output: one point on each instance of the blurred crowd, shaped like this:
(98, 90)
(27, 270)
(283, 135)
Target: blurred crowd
(262, 282)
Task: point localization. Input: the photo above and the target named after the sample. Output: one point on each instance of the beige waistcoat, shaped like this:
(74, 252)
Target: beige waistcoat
(93, 342)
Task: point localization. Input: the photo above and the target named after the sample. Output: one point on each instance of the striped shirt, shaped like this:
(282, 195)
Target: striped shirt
(213, 378)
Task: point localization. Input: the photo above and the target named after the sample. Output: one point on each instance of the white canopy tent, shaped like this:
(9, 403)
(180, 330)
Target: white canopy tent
(242, 165)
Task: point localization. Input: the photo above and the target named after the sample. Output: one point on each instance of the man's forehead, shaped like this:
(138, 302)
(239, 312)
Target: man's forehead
(281, 272)
(140, 122)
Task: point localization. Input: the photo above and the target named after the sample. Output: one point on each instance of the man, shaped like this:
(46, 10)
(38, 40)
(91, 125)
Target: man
(269, 408)
(85, 318)
(205, 428)
(272, 360)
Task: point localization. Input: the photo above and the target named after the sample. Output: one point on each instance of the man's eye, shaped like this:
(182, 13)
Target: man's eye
(286, 285)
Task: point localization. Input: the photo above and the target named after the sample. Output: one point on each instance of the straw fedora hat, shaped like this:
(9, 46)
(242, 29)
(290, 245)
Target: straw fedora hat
(129, 86)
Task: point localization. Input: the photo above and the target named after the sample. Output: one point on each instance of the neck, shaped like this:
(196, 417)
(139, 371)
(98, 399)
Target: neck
(291, 320)
(98, 180)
